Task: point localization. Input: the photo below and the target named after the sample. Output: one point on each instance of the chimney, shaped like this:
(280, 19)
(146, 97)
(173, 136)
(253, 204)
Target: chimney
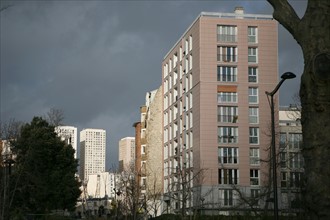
(239, 10)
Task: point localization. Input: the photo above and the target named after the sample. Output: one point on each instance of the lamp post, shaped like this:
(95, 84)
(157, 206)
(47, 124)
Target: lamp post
(285, 76)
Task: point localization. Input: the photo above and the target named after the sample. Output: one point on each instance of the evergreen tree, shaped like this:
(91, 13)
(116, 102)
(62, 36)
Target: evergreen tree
(43, 178)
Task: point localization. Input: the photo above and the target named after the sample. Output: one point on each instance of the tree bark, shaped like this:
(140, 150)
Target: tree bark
(312, 32)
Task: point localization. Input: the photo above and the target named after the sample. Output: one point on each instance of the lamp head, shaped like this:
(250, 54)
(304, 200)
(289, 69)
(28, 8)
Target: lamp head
(288, 75)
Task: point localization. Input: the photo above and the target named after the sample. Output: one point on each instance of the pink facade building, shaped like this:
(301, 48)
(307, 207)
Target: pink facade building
(216, 116)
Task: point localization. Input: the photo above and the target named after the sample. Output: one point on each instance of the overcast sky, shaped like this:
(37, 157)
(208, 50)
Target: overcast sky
(96, 60)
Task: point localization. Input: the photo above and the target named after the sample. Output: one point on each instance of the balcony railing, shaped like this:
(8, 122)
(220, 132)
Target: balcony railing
(226, 58)
(227, 38)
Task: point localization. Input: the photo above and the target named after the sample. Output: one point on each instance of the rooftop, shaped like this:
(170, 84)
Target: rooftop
(238, 14)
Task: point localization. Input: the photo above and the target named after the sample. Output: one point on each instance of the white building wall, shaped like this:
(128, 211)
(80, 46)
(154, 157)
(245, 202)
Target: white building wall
(102, 185)
(93, 151)
(69, 135)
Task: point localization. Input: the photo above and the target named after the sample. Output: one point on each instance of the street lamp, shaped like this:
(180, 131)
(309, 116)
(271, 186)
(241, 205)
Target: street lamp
(285, 76)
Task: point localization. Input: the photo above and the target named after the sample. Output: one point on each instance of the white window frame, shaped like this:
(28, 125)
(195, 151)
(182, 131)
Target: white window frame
(254, 177)
(226, 54)
(253, 115)
(252, 34)
(227, 114)
(253, 55)
(227, 33)
(254, 156)
(253, 74)
(253, 95)
(253, 135)
(227, 97)
(143, 149)
(227, 196)
(228, 155)
(227, 74)
(228, 176)
(227, 135)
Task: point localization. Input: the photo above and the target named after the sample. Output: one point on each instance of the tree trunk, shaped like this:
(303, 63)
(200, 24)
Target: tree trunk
(312, 33)
(315, 98)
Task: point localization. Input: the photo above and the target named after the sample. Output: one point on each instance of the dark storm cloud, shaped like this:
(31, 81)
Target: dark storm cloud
(97, 59)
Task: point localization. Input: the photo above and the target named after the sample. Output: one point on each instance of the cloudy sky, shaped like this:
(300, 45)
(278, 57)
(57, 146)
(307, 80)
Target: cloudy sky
(96, 60)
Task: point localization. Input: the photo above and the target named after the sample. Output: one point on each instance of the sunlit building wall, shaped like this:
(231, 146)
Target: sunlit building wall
(69, 135)
(92, 152)
(216, 116)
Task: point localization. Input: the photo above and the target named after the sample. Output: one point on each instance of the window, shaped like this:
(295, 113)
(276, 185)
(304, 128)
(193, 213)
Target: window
(295, 160)
(295, 141)
(227, 97)
(227, 114)
(252, 55)
(284, 179)
(226, 54)
(254, 177)
(253, 115)
(228, 176)
(254, 156)
(253, 75)
(254, 135)
(143, 182)
(283, 159)
(227, 135)
(143, 149)
(228, 155)
(226, 33)
(295, 179)
(143, 166)
(226, 197)
(282, 140)
(252, 34)
(255, 193)
(253, 95)
(227, 74)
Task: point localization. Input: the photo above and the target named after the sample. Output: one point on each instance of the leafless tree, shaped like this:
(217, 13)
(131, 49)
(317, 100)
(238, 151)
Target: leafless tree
(55, 117)
(182, 191)
(153, 195)
(10, 130)
(131, 202)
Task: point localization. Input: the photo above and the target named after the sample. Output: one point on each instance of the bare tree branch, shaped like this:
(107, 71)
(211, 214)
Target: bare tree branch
(286, 15)
(55, 117)
(5, 7)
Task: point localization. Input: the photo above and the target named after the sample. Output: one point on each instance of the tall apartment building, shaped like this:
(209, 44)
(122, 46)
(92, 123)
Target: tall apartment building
(291, 159)
(126, 153)
(92, 152)
(215, 112)
(69, 135)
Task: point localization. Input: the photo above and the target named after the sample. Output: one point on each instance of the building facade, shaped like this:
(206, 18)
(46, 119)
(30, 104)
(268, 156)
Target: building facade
(126, 153)
(92, 152)
(291, 159)
(69, 135)
(215, 112)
